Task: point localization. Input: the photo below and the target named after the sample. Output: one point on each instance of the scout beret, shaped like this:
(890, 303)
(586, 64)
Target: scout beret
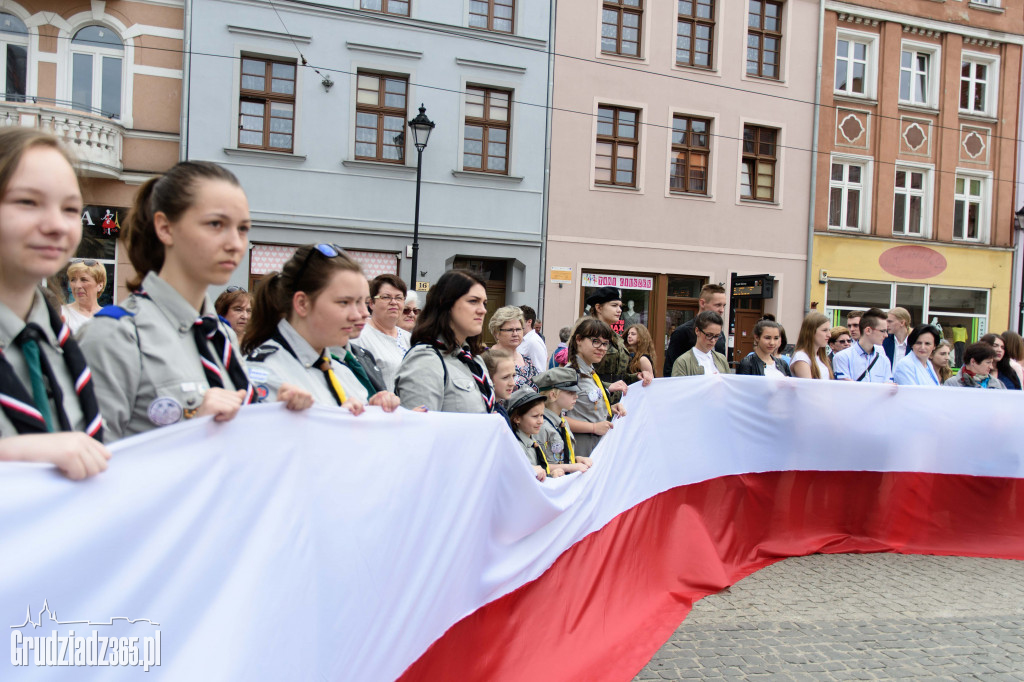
(603, 295)
(559, 377)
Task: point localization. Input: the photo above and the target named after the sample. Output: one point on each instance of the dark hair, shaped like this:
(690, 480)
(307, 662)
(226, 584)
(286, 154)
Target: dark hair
(227, 299)
(855, 315)
(523, 409)
(563, 334)
(387, 278)
(979, 352)
(1003, 364)
(765, 323)
(172, 194)
(435, 320)
(308, 271)
(708, 317)
(529, 314)
(588, 328)
(922, 329)
(1014, 345)
(872, 317)
(709, 290)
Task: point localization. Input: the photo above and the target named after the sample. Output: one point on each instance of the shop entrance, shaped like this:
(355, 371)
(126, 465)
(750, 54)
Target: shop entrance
(747, 315)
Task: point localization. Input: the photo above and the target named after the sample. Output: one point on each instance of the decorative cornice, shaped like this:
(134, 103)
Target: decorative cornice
(273, 35)
(389, 51)
(490, 65)
(938, 27)
(924, 32)
(854, 19)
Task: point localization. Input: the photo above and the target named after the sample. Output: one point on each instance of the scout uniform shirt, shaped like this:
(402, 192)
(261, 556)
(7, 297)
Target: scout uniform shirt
(272, 364)
(145, 363)
(591, 406)
(531, 448)
(10, 326)
(556, 437)
(439, 381)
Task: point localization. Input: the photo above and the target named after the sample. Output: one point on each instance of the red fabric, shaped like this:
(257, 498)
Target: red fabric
(611, 600)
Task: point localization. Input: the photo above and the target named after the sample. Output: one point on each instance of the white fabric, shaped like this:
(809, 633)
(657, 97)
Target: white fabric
(770, 370)
(533, 347)
(801, 356)
(73, 318)
(317, 545)
(705, 360)
(899, 353)
(388, 350)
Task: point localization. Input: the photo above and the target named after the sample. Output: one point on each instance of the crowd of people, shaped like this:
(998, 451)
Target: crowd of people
(75, 377)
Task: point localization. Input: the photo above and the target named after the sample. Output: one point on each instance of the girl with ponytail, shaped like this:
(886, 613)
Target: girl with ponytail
(164, 355)
(302, 320)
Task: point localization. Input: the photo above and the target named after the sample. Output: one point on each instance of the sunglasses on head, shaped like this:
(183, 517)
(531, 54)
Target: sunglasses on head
(232, 289)
(325, 250)
(88, 262)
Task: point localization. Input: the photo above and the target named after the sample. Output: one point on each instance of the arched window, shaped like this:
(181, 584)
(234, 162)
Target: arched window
(97, 58)
(14, 56)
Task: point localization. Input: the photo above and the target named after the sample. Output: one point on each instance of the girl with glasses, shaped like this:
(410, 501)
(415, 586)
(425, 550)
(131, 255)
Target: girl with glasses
(40, 228)
(591, 417)
(303, 319)
(508, 327)
(164, 355)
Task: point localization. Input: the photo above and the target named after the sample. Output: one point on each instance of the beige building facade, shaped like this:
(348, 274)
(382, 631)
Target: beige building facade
(680, 155)
(106, 77)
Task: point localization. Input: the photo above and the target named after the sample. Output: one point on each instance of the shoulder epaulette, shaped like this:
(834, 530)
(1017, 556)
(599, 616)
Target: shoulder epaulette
(114, 311)
(262, 353)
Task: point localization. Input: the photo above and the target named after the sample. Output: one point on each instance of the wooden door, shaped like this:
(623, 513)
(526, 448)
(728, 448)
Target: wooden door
(495, 300)
(744, 335)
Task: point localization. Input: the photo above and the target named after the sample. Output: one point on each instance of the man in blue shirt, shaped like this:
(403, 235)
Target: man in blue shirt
(866, 360)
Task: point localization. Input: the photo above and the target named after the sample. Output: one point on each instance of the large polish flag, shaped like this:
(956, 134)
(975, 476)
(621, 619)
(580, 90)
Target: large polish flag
(321, 546)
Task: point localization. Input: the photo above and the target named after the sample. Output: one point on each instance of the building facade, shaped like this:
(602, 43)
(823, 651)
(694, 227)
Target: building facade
(915, 180)
(106, 78)
(680, 156)
(308, 105)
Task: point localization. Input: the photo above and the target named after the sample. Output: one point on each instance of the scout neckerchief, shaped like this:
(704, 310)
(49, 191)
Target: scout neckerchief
(486, 390)
(206, 331)
(352, 362)
(563, 431)
(18, 403)
(323, 364)
(543, 456)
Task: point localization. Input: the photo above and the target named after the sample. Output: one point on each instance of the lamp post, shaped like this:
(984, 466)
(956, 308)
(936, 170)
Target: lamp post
(421, 127)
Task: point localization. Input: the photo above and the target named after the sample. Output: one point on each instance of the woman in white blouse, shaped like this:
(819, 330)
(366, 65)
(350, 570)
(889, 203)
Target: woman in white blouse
(815, 333)
(382, 336)
(87, 279)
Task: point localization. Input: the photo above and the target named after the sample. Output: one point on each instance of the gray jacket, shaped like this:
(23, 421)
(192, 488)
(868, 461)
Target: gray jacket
(439, 381)
(965, 380)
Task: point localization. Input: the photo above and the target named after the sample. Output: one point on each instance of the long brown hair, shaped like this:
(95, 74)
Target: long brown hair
(644, 346)
(435, 320)
(172, 194)
(805, 342)
(309, 271)
(943, 372)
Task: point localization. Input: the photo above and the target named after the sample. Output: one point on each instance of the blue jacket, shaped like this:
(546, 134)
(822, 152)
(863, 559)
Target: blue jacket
(889, 345)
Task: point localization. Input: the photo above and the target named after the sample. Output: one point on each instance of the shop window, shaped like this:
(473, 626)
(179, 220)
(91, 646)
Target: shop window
(636, 295)
(14, 53)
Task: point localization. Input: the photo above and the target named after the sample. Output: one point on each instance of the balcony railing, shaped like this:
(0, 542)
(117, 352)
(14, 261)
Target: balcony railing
(96, 142)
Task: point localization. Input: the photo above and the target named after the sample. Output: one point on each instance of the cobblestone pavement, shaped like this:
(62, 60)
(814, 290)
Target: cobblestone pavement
(856, 617)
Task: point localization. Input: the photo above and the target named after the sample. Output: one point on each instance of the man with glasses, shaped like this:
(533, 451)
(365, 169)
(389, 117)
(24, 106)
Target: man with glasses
(865, 360)
(703, 359)
(712, 297)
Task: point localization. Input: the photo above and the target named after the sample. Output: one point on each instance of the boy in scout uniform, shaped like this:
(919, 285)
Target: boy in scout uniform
(558, 386)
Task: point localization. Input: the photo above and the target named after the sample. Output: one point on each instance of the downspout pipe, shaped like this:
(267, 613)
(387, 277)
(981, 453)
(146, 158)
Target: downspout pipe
(186, 67)
(814, 160)
(542, 280)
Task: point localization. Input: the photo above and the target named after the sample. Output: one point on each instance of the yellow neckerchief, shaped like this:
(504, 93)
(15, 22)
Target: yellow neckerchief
(332, 379)
(604, 393)
(568, 441)
(543, 456)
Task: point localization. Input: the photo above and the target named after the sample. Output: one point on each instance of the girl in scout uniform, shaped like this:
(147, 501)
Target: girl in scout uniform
(164, 355)
(591, 417)
(443, 370)
(501, 366)
(48, 407)
(315, 303)
(526, 411)
(558, 386)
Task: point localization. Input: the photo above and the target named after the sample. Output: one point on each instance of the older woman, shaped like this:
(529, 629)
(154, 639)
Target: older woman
(382, 336)
(507, 326)
(411, 312)
(87, 279)
(235, 306)
(916, 368)
(839, 339)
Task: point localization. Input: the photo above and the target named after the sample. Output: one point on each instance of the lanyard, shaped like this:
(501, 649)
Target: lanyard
(568, 442)
(604, 393)
(543, 456)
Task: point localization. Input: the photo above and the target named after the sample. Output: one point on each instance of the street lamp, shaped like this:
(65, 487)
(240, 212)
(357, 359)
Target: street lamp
(421, 127)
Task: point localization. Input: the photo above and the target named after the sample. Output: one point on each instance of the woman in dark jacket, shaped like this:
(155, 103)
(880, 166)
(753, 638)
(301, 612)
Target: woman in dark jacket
(762, 362)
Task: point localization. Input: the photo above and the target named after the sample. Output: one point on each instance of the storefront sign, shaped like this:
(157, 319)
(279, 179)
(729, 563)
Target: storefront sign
(912, 262)
(753, 286)
(592, 279)
(106, 220)
(561, 275)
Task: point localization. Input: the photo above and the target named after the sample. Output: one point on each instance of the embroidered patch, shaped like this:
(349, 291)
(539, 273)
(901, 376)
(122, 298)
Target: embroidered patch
(164, 411)
(557, 447)
(262, 392)
(594, 395)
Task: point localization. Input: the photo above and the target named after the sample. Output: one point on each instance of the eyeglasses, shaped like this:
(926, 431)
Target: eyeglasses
(233, 288)
(325, 250)
(88, 262)
(390, 299)
(599, 343)
(517, 330)
(709, 337)
(843, 342)
(410, 311)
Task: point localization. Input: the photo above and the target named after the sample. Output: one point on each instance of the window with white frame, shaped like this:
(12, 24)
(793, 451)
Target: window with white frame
(917, 74)
(910, 208)
(14, 56)
(978, 79)
(97, 67)
(847, 195)
(969, 214)
(852, 64)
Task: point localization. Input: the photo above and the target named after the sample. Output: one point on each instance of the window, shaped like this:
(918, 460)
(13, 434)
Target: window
(968, 208)
(759, 155)
(846, 193)
(266, 112)
(618, 142)
(485, 147)
(387, 6)
(97, 58)
(910, 202)
(978, 76)
(14, 56)
(691, 147)
(764, 38)
(695, 30)
(851, 66)
(380, 117)
(917, 79)
(620, 27)
(494, 15)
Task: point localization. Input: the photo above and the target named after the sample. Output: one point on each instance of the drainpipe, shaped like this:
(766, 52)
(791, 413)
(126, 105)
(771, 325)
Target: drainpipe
(814, 160)
(1016, 305)
(186, 66)
(542, 283)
